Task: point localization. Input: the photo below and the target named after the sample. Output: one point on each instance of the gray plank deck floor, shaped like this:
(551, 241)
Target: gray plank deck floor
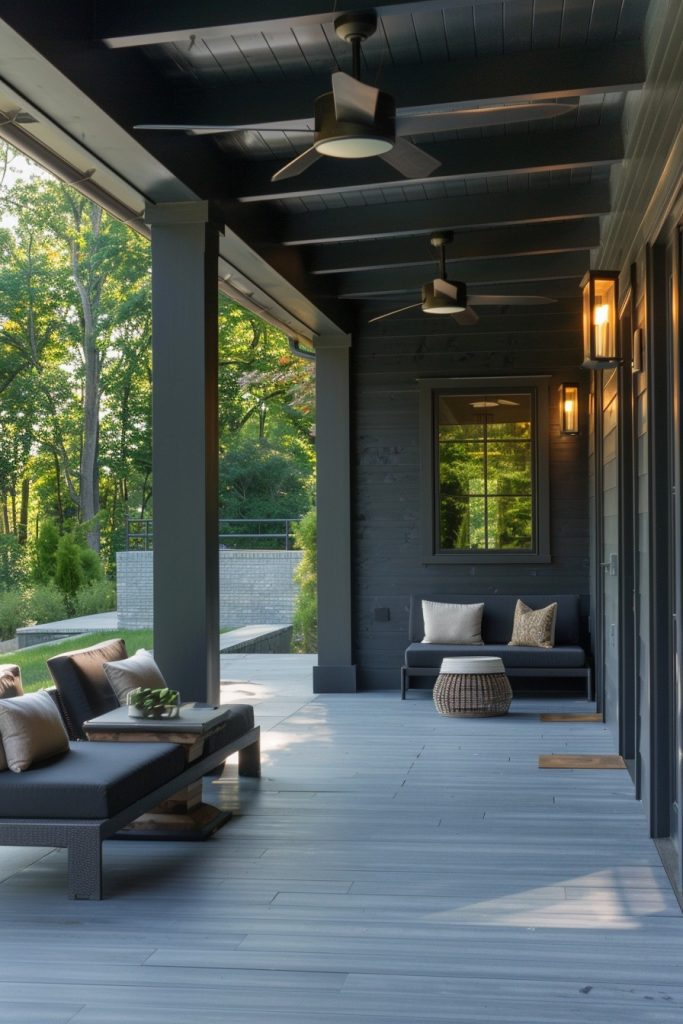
(391, 867)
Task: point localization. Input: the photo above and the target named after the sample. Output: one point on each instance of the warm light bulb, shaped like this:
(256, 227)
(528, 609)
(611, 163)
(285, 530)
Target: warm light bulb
(601, 315)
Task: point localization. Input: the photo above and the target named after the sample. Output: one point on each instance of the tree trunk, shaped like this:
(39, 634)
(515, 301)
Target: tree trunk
(23, 511)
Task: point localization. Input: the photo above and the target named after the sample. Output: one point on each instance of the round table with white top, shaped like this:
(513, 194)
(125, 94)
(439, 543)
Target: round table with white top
(472, 688)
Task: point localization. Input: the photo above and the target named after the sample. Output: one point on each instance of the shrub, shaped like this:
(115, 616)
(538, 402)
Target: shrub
(46, 604)
(68, 569)
(12, 562)
(13, 613)
(306, 610)
(44, 559)
(98, 596)
(90, 565)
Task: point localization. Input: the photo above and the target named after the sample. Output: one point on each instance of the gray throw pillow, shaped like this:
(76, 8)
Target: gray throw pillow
(129, 674)
(10, 686)
(31, 729)
(452, 623)
(533, 627)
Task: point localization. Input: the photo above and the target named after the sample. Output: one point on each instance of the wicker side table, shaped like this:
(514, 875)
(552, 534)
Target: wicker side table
(472, 688)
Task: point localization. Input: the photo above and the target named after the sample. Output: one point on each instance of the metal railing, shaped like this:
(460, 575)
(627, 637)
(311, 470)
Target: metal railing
(231, 533)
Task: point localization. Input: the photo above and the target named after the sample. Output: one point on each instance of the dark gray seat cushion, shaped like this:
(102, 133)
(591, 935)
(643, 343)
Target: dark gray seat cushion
(91, 781)
(431, 655)
(241, 720)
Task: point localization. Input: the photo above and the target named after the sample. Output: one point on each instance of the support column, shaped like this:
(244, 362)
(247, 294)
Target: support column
(185, 446)
(335, 672)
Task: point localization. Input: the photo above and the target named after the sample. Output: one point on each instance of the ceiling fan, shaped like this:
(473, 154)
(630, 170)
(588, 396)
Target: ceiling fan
(355, 120)
(450, 298)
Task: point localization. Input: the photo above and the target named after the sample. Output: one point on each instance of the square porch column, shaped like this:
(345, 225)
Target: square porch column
(185, 446)
(334, 672)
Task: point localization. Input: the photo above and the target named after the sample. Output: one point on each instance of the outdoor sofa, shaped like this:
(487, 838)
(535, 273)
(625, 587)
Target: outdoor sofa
(77, 799)
(568, 658)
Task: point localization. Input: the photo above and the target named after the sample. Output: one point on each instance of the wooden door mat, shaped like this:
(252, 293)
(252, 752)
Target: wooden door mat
(581, 761)
(572, 718)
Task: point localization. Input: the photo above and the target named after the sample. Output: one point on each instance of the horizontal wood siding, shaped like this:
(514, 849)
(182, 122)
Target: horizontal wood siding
(387, 559)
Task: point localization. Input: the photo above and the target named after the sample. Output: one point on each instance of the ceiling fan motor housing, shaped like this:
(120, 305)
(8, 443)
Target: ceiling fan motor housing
(434, 301)
(351, 139)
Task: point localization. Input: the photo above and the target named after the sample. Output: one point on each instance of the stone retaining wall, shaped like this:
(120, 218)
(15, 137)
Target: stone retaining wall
(255, 587)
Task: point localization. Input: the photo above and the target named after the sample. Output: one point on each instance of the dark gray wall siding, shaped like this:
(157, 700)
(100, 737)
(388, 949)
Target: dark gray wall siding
(387, 564)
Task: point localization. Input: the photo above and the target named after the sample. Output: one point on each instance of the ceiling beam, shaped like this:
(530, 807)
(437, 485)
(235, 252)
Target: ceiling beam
(414, 250)
(424, 215)
(123, 23)
(531, 75)
(408, 280)
(501, 154)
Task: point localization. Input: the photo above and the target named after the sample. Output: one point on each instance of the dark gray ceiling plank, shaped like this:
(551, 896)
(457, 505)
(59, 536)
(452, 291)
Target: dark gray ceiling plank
(538, 74)
(566, 289)
(424, 215)
(503, 154)
(416, 250)
(406, 280)
(499, 324)
(124, 23)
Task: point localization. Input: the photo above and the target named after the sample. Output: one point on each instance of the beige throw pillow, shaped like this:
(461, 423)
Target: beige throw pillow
(139, 670)
(452, 623)
(10, 681)
(31, 729)
(10, 686)
(533, 628)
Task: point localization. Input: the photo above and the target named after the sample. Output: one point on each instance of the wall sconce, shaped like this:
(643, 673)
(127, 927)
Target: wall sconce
(600, 288)
(569, 408)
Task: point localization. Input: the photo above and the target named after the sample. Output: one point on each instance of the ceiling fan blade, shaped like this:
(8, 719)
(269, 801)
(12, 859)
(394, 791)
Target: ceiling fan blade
(353, 100)
(449, 120)
(510, 300)
(410, 160)
(467, 317)
(441, 287)
(300, 163)
(393, 312)
(220, 129)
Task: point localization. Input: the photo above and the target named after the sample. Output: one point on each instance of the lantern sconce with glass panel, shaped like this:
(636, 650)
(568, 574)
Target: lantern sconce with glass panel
(600, 296)
(569, 408)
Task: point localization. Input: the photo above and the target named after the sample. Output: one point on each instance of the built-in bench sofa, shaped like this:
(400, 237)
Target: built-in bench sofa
(569, 657)
(78, 799)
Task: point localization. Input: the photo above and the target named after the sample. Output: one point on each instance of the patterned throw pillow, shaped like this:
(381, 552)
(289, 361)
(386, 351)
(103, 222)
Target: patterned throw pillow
(533, 628)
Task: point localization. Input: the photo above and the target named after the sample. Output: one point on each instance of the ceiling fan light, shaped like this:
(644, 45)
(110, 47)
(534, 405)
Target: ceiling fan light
(350, 147)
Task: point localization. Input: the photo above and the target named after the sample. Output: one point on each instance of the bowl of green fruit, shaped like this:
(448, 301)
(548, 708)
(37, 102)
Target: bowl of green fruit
(146, 702)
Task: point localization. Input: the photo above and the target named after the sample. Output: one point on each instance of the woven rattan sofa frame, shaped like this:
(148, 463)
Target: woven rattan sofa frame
(82, 838)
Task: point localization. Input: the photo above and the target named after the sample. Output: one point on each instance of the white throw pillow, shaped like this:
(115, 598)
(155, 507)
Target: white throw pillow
(32, 730)
(452, 623)
(130, 673)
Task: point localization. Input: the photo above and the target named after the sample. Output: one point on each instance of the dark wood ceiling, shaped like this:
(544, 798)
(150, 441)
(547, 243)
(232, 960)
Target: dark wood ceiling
(524, 200)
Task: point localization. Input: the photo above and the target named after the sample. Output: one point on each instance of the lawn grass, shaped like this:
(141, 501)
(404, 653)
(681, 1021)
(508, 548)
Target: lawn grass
(32, 660)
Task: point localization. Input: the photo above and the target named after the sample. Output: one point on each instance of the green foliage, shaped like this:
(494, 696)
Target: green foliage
(46, 604)
(45, 552)
(35, 674)
(91, 566)
(13, 613)
(12, 561)
(97, 596)
(68, 569)
(258, 480)
(306, 611)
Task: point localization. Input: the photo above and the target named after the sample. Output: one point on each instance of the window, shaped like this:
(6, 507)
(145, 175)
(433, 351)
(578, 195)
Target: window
(485, 480)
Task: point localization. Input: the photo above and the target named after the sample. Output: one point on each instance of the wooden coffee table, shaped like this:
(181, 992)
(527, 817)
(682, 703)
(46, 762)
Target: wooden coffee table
(184, 815)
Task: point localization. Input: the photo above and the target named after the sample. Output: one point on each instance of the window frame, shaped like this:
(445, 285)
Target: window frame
(431, 390)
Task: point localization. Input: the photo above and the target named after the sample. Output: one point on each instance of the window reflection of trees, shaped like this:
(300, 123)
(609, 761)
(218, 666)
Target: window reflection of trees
(485, 472)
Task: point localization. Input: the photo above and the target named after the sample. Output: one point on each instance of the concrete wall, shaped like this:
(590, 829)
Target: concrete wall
(255, 587)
